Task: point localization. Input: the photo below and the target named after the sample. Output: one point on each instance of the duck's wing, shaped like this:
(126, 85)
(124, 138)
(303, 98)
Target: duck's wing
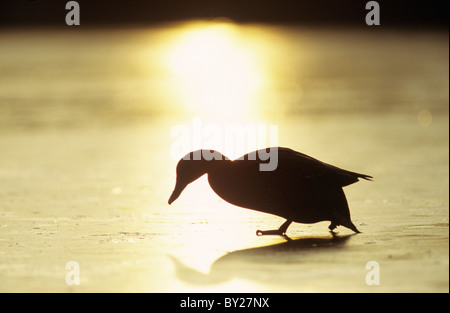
(308, 169)
(242, 182)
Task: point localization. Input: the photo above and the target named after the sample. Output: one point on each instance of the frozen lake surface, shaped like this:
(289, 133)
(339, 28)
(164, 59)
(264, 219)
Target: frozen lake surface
(87, 159)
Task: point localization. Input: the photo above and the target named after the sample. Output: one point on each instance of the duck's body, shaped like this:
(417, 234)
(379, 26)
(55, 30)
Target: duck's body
(300, 188)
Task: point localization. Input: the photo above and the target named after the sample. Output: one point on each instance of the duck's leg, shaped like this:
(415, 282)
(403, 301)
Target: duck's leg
(280, 231)
(332, 226)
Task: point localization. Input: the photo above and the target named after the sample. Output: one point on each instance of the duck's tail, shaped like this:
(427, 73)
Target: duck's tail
(347, 178)
(364, 176)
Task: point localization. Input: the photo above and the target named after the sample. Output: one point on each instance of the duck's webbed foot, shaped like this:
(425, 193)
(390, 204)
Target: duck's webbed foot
(280, 231)
(332, 226)
(269, 232)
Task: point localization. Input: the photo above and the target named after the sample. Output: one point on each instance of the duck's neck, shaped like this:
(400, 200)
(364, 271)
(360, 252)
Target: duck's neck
(211, 160)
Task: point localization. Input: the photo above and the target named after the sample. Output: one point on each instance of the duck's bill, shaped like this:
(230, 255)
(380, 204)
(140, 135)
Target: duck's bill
(176, 193)
(173, 197)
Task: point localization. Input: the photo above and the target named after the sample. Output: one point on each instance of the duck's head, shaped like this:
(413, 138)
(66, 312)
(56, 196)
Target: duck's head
(192, 166)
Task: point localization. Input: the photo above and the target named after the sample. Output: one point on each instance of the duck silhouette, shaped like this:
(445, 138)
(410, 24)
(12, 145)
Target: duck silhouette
(300, 189)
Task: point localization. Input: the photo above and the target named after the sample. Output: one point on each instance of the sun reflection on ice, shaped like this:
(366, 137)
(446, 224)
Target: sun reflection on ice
(215, 72)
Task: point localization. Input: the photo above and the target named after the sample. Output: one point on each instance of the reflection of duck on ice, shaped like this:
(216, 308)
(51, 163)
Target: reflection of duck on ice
(301, 189)
(283, 261)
